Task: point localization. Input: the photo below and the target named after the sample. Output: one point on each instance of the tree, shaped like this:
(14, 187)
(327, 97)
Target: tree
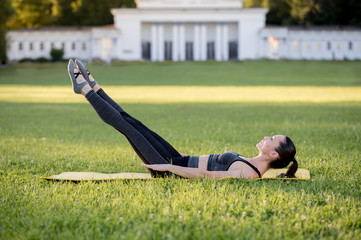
(97, 12)
(279, 13)
(310, 12)
(31, 13)
(64, 12)
(6, 12)
(336, 12)
(37, 13)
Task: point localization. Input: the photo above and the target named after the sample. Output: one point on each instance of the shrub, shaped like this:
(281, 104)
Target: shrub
(56, 54)
(26, 60)
(41, 60)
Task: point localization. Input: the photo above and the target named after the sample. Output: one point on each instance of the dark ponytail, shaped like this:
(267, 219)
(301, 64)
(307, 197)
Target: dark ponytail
(286, 151)
(291, 170)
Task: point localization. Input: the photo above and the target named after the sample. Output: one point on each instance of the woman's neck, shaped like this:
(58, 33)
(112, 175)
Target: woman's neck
(261, 162)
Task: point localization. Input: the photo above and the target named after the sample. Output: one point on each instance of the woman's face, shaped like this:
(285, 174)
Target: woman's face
(268, 145)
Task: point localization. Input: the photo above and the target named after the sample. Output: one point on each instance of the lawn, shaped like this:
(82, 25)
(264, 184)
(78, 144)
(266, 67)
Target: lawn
(200, 108)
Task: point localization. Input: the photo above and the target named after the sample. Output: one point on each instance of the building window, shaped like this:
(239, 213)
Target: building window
(52, 45)
(146, 50)
(318, 46)
(73, 46)
(273, 46)
(210, 51)
(350, 45)
(84, 46)
(30, 46)
(339, 45)
(295, 44)
(20, 46)
(307, 46)
(233, 50)
(167, 50)
(189, 51)
(62, 45)
(41, 46)
(328, 45)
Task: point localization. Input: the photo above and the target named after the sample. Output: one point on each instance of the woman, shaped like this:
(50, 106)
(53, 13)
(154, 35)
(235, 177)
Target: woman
(161, 158)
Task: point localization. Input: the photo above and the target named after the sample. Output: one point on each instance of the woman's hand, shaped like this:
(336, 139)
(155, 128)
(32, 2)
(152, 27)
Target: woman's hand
(157, 167)
(184, 155)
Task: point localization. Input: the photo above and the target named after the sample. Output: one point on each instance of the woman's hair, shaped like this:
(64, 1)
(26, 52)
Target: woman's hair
(286, 151)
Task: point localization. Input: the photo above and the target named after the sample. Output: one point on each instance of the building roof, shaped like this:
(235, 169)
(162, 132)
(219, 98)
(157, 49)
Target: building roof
(316, 28)
(64, 28)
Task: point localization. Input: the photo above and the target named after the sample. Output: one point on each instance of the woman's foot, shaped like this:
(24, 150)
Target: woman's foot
(88, 77)
(80, 85)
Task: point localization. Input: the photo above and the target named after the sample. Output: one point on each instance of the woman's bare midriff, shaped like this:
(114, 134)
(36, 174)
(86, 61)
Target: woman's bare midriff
(203, 161)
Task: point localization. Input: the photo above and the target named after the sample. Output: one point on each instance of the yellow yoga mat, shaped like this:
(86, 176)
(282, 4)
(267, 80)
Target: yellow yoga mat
(301, 174)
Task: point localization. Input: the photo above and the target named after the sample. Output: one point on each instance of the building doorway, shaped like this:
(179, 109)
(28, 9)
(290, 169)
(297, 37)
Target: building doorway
(146, 50)
(210, 51)
(168, 50)
(233, 50)
(189, 51)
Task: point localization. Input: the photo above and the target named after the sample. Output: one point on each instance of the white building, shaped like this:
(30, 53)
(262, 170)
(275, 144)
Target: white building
(180, 30)
(311, 43)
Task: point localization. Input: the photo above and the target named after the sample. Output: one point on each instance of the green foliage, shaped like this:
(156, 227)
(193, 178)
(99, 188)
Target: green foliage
(38, 13)
(34, 60)
(41, 60)
(3, 45)
(33, 13)
(310, 12)
(41, 139)
(6, 12)
(56, 54)
(279, 13)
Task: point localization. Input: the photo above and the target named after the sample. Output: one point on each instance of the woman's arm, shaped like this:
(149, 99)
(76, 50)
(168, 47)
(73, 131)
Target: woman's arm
(193, 172)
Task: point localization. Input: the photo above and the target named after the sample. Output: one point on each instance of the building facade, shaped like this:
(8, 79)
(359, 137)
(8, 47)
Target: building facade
(187, 30)
(310, 43)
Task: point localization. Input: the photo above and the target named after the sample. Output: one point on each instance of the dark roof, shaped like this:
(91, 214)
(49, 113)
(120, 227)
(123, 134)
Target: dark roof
(63, 28)
(317, 28)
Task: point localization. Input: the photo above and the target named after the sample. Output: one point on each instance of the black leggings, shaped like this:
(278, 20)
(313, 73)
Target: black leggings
(149, 146)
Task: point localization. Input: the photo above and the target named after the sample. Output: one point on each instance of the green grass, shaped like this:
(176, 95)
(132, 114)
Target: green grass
(42, 135)
(253, 73)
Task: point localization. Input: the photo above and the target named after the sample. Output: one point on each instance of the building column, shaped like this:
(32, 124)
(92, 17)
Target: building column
(218, 42)
(225, 42)
(175, 44)
(160, 42)
(203, 42)
(196, 48)
(181, 42)
(154, 43)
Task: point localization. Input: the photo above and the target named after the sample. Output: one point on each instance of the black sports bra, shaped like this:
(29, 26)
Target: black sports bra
(222, 162)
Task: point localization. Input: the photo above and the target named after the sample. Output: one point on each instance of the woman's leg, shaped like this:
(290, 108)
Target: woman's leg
(108, 114)
(162, 146)
(149, 134)
(146, 150)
